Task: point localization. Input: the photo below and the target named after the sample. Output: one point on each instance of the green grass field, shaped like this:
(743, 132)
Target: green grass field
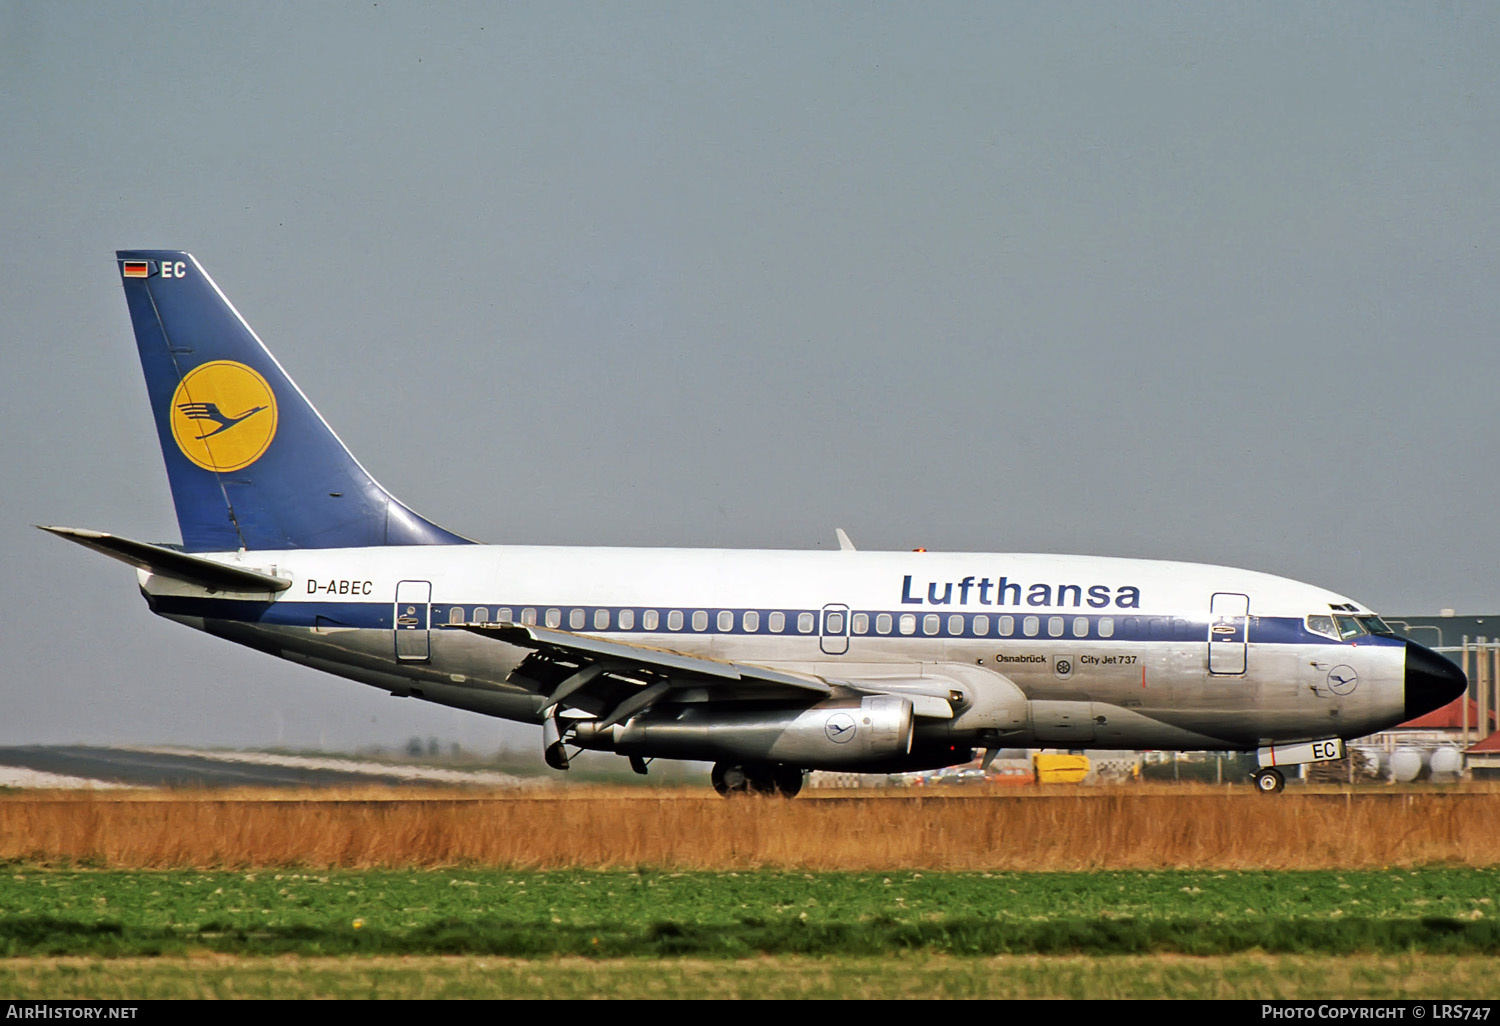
(70, 932)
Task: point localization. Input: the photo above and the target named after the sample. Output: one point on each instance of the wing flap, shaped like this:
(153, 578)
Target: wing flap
(932, 698)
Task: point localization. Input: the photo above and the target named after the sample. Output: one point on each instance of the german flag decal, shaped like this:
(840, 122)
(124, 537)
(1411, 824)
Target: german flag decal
(137, 269)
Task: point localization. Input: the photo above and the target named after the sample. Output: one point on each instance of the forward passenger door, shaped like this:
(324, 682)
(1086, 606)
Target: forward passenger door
(1228, 629)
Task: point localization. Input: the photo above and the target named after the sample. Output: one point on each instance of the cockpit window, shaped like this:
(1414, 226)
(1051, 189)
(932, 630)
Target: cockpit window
(1343, 627)
(1317, 623)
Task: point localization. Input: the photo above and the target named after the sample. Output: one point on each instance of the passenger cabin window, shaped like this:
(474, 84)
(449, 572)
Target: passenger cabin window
(883, 623)
(674, 620)
(481, 615)
(908, 623)
(627, 619)
(576, 619)
(528, 617)
(751, 621)
(650, 620)
(833, 623)
(554, 618)
(930, 624)
(456, 615)
(1030, 626)
(1106, 626)
(1080, 626)
(726, 621)
(601, 619)
(503, 615)
(1055, 626)
(956, 625)
(805, 623)
(981, 625)
(776, 622)
(861, 623)
(1007, 626)
(700, 619)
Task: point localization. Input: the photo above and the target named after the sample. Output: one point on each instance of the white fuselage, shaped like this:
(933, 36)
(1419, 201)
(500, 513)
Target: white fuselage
(1068, 651)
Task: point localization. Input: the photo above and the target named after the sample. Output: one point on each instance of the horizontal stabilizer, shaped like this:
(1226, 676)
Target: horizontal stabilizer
(167, 562)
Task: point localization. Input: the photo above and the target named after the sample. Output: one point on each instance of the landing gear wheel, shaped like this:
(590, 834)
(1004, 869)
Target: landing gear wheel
(762, 779)
(1269, 781)
(769, 779)
(788, 780)
(729, 778)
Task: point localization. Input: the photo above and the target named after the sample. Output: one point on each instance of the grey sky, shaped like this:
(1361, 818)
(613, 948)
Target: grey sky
(1203, 282)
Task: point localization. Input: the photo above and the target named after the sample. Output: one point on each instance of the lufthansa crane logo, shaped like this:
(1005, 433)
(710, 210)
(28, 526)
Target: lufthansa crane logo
(223, 415)
(839, 728)
(1342, 679)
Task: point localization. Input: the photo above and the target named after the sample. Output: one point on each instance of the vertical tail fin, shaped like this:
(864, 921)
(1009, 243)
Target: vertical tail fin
(251, 464)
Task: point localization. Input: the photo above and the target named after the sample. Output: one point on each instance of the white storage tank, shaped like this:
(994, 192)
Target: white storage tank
(1446, 762)
(1406, 764)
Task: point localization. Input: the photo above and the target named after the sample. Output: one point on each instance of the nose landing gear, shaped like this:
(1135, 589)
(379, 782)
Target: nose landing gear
(1269, 781)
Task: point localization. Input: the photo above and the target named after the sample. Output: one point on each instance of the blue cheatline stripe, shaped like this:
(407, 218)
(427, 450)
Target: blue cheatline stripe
(375, 615)
(1080, 627)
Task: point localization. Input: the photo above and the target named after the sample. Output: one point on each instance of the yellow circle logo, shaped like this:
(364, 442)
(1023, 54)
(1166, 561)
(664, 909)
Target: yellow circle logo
(223, 415)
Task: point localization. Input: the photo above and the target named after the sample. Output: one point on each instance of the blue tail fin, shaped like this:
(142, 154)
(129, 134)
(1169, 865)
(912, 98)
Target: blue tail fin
(252, 465)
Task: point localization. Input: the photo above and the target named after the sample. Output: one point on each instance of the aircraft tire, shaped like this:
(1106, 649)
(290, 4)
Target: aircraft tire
(769, 779)
(730, 778)
(788, 780)
(1269, 781)
(775, 779)
(762, 780)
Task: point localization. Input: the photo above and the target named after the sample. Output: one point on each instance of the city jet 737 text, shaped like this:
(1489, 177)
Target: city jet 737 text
(767, 664)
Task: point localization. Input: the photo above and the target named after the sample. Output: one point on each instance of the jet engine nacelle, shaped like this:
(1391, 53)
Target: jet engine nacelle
(863, 733)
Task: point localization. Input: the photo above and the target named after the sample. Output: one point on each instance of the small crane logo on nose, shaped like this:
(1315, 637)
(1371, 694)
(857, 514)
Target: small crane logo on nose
(1342, 679)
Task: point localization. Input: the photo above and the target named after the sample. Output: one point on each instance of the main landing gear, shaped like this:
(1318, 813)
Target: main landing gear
(767, 778)
(1269, 781)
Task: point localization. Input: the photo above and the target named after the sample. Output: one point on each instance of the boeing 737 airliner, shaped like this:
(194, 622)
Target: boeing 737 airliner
(767, 664)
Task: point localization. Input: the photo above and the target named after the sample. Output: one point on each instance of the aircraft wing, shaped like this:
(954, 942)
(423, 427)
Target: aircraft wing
(587, 672)
(580, 667)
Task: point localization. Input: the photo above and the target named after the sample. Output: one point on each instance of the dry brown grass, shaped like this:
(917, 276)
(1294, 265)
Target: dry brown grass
(668, 830)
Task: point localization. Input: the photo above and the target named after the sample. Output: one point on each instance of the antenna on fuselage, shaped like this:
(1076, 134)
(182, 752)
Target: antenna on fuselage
(845, 545)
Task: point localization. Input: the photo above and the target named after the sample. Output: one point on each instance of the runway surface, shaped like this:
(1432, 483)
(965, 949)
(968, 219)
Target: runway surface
(86, 766)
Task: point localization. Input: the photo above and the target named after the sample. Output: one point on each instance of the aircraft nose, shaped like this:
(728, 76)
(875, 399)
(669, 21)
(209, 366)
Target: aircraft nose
(1431, 681)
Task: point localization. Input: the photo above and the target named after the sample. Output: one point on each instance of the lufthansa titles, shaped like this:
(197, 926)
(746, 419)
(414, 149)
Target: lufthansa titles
(1002, 591)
